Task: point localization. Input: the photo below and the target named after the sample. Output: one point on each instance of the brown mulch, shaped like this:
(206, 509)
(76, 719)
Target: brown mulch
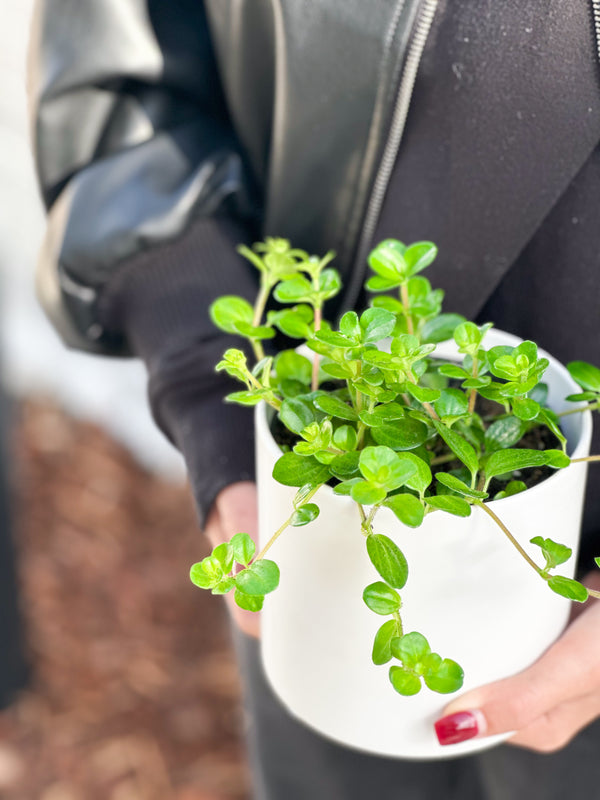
(134, 693)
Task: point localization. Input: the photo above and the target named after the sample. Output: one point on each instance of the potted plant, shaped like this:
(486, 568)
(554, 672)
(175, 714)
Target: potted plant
(439, 469)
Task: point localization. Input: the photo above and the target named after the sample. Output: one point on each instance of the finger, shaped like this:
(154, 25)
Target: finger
(568, 670)
(556, 728)
(235, 511)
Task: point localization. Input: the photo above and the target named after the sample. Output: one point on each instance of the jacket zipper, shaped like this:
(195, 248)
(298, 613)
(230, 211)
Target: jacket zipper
(401, 107)
(596, 13)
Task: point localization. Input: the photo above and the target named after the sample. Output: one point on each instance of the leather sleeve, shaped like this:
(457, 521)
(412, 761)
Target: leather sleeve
(133, 146)
(148, 195)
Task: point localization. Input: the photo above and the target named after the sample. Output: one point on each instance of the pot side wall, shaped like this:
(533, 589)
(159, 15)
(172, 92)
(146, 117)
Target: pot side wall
(469, 592)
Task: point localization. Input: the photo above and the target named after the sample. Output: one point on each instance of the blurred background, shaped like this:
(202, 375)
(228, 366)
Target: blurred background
(128, 690)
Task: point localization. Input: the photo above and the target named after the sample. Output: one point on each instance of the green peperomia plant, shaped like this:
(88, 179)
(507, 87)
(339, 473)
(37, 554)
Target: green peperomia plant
(377, 416)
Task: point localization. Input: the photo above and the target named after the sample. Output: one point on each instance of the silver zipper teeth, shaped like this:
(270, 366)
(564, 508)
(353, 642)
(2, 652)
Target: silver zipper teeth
(403, 98)
(596, 13)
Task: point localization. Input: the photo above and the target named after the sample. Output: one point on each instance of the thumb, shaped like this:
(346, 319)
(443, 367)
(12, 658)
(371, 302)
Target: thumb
(507, 705)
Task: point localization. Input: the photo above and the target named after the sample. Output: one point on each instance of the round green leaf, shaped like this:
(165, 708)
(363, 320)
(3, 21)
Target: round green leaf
(382, 651)
(229, 310)
(447, 678)
(450, 504)
(335, 407)
(404, 682)
(504, 433)
(381, 598)
(295, 470)
(296, 414)
(345, 438)
(199, 577)
(248, 602)
(569, 588)
(243, 548)
(260, 578)
(367, 493)
(401, 434)
(388, 559)
(290, 365)
(408, 508)
(586, 375)
(411, 649)
(304, 514)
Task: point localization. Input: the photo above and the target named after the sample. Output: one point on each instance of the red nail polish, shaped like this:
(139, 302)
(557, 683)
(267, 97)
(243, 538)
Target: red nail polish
(459, 727)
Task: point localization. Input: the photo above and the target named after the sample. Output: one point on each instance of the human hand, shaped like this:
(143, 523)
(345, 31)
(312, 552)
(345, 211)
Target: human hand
(548, 703)
(234, 511)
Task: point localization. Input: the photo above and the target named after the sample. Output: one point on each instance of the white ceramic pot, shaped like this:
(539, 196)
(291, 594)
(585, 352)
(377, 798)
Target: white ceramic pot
(469, 592)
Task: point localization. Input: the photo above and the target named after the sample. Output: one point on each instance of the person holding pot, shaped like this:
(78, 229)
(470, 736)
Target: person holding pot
(167, 133)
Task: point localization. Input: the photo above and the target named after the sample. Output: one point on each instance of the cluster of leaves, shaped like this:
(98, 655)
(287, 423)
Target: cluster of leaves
(376, 415)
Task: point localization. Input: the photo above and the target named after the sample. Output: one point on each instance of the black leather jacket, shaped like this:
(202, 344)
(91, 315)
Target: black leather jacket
(167, 132)
(283, 114)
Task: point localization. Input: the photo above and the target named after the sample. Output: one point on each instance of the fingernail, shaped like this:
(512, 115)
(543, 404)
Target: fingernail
(459, 727)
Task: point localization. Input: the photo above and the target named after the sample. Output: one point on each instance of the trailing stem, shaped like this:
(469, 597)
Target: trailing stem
(512, 539)
(286, 524)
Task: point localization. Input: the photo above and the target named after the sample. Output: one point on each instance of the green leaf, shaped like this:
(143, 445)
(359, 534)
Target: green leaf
(586, 375)
(295, 470)
(293, 322)
(554, 553)
(243, 548)
(345, 438)
(597, 561)
(503, 461)
(201, 578)
(382, 651)
(447, 678)
(404, 682)
(525, 409)
(295, 290)
(296, 414)
(290, 365)
(247, 398)
(400, 434)
(224, 554)
(440, 328)
(335, 407)
(408, 508)
(381, 598)
(411, 649)
(557, 459)
(419, 255)
(254, 332)
(229, 310)
(453, 371)
(450, 504)
(569, 588)
(260, 578)
(459, 446)
(304, 514)
(503, 433)
(248, 602)
(452, 402)
(512, 488)
(224, 586)
(376, 324)
(454, 483)
(367, 493)
(388, 559)
(330, 283)
(382, 466)
(422, 393)
(345, 487)
(422, 477)
(345, 466)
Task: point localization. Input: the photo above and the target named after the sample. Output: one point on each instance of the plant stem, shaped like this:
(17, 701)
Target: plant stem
(587, 458)
(473, 392)
(505, 530)
(281, 529)
(581, 409)
(406, 303)
(396, 616)
(316, 359)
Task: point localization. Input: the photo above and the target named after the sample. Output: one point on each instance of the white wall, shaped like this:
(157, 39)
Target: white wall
(107, 391)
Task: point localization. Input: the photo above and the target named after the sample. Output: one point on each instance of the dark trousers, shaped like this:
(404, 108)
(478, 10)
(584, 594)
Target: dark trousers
(291, 761)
